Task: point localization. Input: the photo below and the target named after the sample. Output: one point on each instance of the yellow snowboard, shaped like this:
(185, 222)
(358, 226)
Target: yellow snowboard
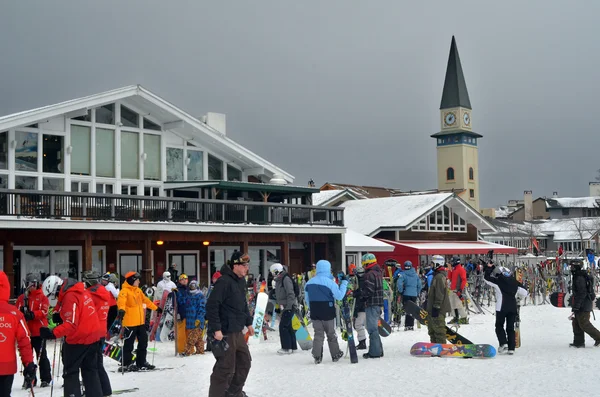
(181, 336)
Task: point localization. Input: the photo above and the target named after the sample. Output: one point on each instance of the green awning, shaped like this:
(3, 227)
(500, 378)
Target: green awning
(241, 186)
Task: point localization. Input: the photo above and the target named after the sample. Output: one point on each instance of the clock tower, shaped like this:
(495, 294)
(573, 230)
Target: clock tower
(457, 158)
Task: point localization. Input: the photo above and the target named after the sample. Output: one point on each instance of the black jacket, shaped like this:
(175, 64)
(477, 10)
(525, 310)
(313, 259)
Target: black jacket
(582, 301)
(359, 305)
(227, 308)
(507, 289)
(372, 291)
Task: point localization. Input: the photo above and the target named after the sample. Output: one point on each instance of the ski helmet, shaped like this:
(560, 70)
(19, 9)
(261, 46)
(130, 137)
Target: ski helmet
(408, 265)
(32, 280)
(131, 277)
(367, 259)
(90, 277)
(438, 262)
(51, 286)
(276, 268)
(166, 276)
(360, 270)
(193, 285)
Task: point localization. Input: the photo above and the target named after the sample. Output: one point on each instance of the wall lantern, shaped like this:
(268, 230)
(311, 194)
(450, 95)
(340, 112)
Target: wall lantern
(159, 242)
(206, 243)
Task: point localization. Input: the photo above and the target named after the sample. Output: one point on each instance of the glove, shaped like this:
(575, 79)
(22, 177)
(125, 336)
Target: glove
(342, 276)
(459, 293)
(197, 323)
(174, 290)
(29, 315)
(121, 314)
(159, 310)
(574, 310)
(435, 312)
(45, 333)
(29, 372)
(56, 319)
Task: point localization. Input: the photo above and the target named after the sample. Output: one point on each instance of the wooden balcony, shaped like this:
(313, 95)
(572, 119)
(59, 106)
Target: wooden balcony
(91, 206)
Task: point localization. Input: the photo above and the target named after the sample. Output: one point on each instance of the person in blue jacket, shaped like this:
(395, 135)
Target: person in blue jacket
(320, 293)
(409, 285)
(195, 310)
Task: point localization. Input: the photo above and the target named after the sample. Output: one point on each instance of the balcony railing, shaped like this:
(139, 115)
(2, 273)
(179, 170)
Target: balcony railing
(91, 206)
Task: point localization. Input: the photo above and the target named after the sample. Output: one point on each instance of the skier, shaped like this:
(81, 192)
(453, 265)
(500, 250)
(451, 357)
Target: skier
(194, 319)
(507, 288)
(360, 317)
(438, 304)
(409, 285)
(164, 285)
(286, 298)
(14, 333)
(583, 302)
(110, 282)
(227, 314)
(131, 313)
(320, 293)
(372, 295)
(82, 331)
(34, 306)
(102, 299)
(458, 283)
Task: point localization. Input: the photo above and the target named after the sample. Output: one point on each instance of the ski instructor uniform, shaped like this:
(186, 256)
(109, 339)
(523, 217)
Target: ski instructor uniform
(227, 315)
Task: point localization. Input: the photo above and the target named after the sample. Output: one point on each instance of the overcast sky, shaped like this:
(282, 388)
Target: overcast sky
(338, 91)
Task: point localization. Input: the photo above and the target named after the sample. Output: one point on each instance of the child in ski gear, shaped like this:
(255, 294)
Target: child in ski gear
(438, 305)
(82, 331)
(320, 293)
(507, 288)
(409, 285)
(15, 333)
(34, 306)
(583, 303)
(458, 283)
(286, 298)
(360, 317)
(131, 312)
(110, 282)
(195, 308)
(372, 295)
(101, 298)
(164, 285)
(227, 314)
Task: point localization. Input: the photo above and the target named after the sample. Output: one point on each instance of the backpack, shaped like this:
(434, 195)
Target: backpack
(295, 284)
(589, 286)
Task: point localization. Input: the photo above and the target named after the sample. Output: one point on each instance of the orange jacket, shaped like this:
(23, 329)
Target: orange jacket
(458, 278)
(132, 300)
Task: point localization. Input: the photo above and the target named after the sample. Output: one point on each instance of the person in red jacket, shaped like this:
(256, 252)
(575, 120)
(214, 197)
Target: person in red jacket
(102, 299)
(458, 283)
(13, 331)
(34, 306)
(82, 332)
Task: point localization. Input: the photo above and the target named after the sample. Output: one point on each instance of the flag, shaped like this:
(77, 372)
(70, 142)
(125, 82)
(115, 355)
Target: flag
(535, 246)
(560, 250)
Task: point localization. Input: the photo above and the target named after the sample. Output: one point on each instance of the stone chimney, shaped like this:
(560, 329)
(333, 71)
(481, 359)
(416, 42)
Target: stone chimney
(216, 121)
(528, 202)
(554, 194)
(594, 189)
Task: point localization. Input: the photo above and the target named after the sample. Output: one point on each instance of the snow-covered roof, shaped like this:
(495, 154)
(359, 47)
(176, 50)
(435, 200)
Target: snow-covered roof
(356, 242)
(572, 202)
(454, 247)
(326, 197)
(569, 229)
(504, 211)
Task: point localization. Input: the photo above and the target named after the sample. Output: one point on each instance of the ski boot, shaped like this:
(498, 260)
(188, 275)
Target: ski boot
(362, 345)
(337, 357)
(409, 328)
(578, 346)
(318, 359)
(511, 352)
(147, 367)
(463, 320)
(284, 351)
(597, 343)
(502, 349)
(44, 384)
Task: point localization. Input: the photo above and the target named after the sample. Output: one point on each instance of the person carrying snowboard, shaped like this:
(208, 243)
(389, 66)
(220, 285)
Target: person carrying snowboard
(360, 317)
(409, 285)
(286, 299)
(321, 292)
(507, 288)
(583, 303)
(195, 310)
(34, 306)
(438, 305)
(372, 296)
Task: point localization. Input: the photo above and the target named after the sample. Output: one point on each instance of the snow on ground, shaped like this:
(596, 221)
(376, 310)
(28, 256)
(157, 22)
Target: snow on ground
(543, 366)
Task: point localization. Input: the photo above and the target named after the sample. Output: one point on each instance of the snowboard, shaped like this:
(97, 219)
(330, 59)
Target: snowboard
(123, 391)
(518, 328)
(422, 316)
(259, 311)
(561, 299)
(114, 351)
(350, 334)
(423, 349)
(383, 327)
(167, 321)
(155, 319)
(303, 337)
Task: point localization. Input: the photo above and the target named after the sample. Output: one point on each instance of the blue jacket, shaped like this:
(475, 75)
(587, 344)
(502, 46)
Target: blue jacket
(321, 292)
(429, 276)
(397, 273)
(182, 297)
(195, 309)
(409, 283)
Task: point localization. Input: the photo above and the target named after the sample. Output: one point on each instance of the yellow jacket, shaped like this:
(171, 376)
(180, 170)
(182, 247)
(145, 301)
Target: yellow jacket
(132, 300)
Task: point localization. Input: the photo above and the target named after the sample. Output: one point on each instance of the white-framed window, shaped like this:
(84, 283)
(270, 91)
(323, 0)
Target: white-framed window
(130, 190)
(441, 220)
(80, 186)
(152, 191)
(106, 188)
(4, 150)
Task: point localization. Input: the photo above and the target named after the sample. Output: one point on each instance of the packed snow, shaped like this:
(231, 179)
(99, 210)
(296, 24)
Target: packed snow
(543, 366)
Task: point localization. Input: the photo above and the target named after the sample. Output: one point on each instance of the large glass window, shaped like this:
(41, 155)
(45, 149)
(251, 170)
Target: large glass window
(215, 168)
(66, 263)
(129, 263)
(174, 164)
(56, 184)
(4, 150)
(185, 262)
(233, 174)
(80, 153)
(25, 182)
(106, 114)
(149, 125)
(105, 152)
(80, 187)
(195, 169)
(152, 162)
(37, 261)
(86, 117)
(3, 181)
(129, 118)
(129, 155)
(52, 146)
(26, 153)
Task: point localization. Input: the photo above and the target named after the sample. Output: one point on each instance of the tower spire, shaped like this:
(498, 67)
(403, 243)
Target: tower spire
(455, 89)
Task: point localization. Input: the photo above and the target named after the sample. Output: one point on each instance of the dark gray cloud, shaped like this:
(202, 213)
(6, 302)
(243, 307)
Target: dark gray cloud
(336, 90)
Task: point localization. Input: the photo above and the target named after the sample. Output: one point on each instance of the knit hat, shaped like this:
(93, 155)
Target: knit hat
(238, 258)
(368, 258)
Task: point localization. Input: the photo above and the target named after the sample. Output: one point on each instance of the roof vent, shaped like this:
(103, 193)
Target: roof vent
(278, 180)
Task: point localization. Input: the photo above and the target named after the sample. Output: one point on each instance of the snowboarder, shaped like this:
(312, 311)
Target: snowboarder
(409, 285)
(14, 333)
(458, 283)
(583, 302)
(195, 308)
(507, 288)
(360, 317)
(438, 304)
(34, 306)
(286, 298)
(164, 285)
(227, 314)
(321, 292)
(82, 331)
(372, 295)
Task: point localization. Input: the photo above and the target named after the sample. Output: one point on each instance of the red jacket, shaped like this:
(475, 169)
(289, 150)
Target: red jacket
(13, 331)
(102, 299)
(38, 304)
(458, 278)
(81, 325)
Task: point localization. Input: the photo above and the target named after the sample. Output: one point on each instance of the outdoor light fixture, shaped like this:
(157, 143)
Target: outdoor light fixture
(159, 242)
(206, 243)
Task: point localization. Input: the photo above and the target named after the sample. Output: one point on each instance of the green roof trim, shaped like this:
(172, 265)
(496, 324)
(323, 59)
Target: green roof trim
(455, 92)
(242, 186)
(456, 131)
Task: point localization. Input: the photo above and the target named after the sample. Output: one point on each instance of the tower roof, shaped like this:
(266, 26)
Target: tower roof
(455, 89)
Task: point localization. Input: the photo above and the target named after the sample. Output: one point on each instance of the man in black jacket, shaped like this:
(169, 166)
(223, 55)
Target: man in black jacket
(227, 315)
(583, 301)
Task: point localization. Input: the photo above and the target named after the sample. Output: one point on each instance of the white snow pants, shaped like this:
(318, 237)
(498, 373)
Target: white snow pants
(359, 325)
(455, 303)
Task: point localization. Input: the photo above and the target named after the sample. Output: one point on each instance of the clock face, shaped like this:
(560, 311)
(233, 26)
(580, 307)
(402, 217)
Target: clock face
(450, 118)
(467, 119)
